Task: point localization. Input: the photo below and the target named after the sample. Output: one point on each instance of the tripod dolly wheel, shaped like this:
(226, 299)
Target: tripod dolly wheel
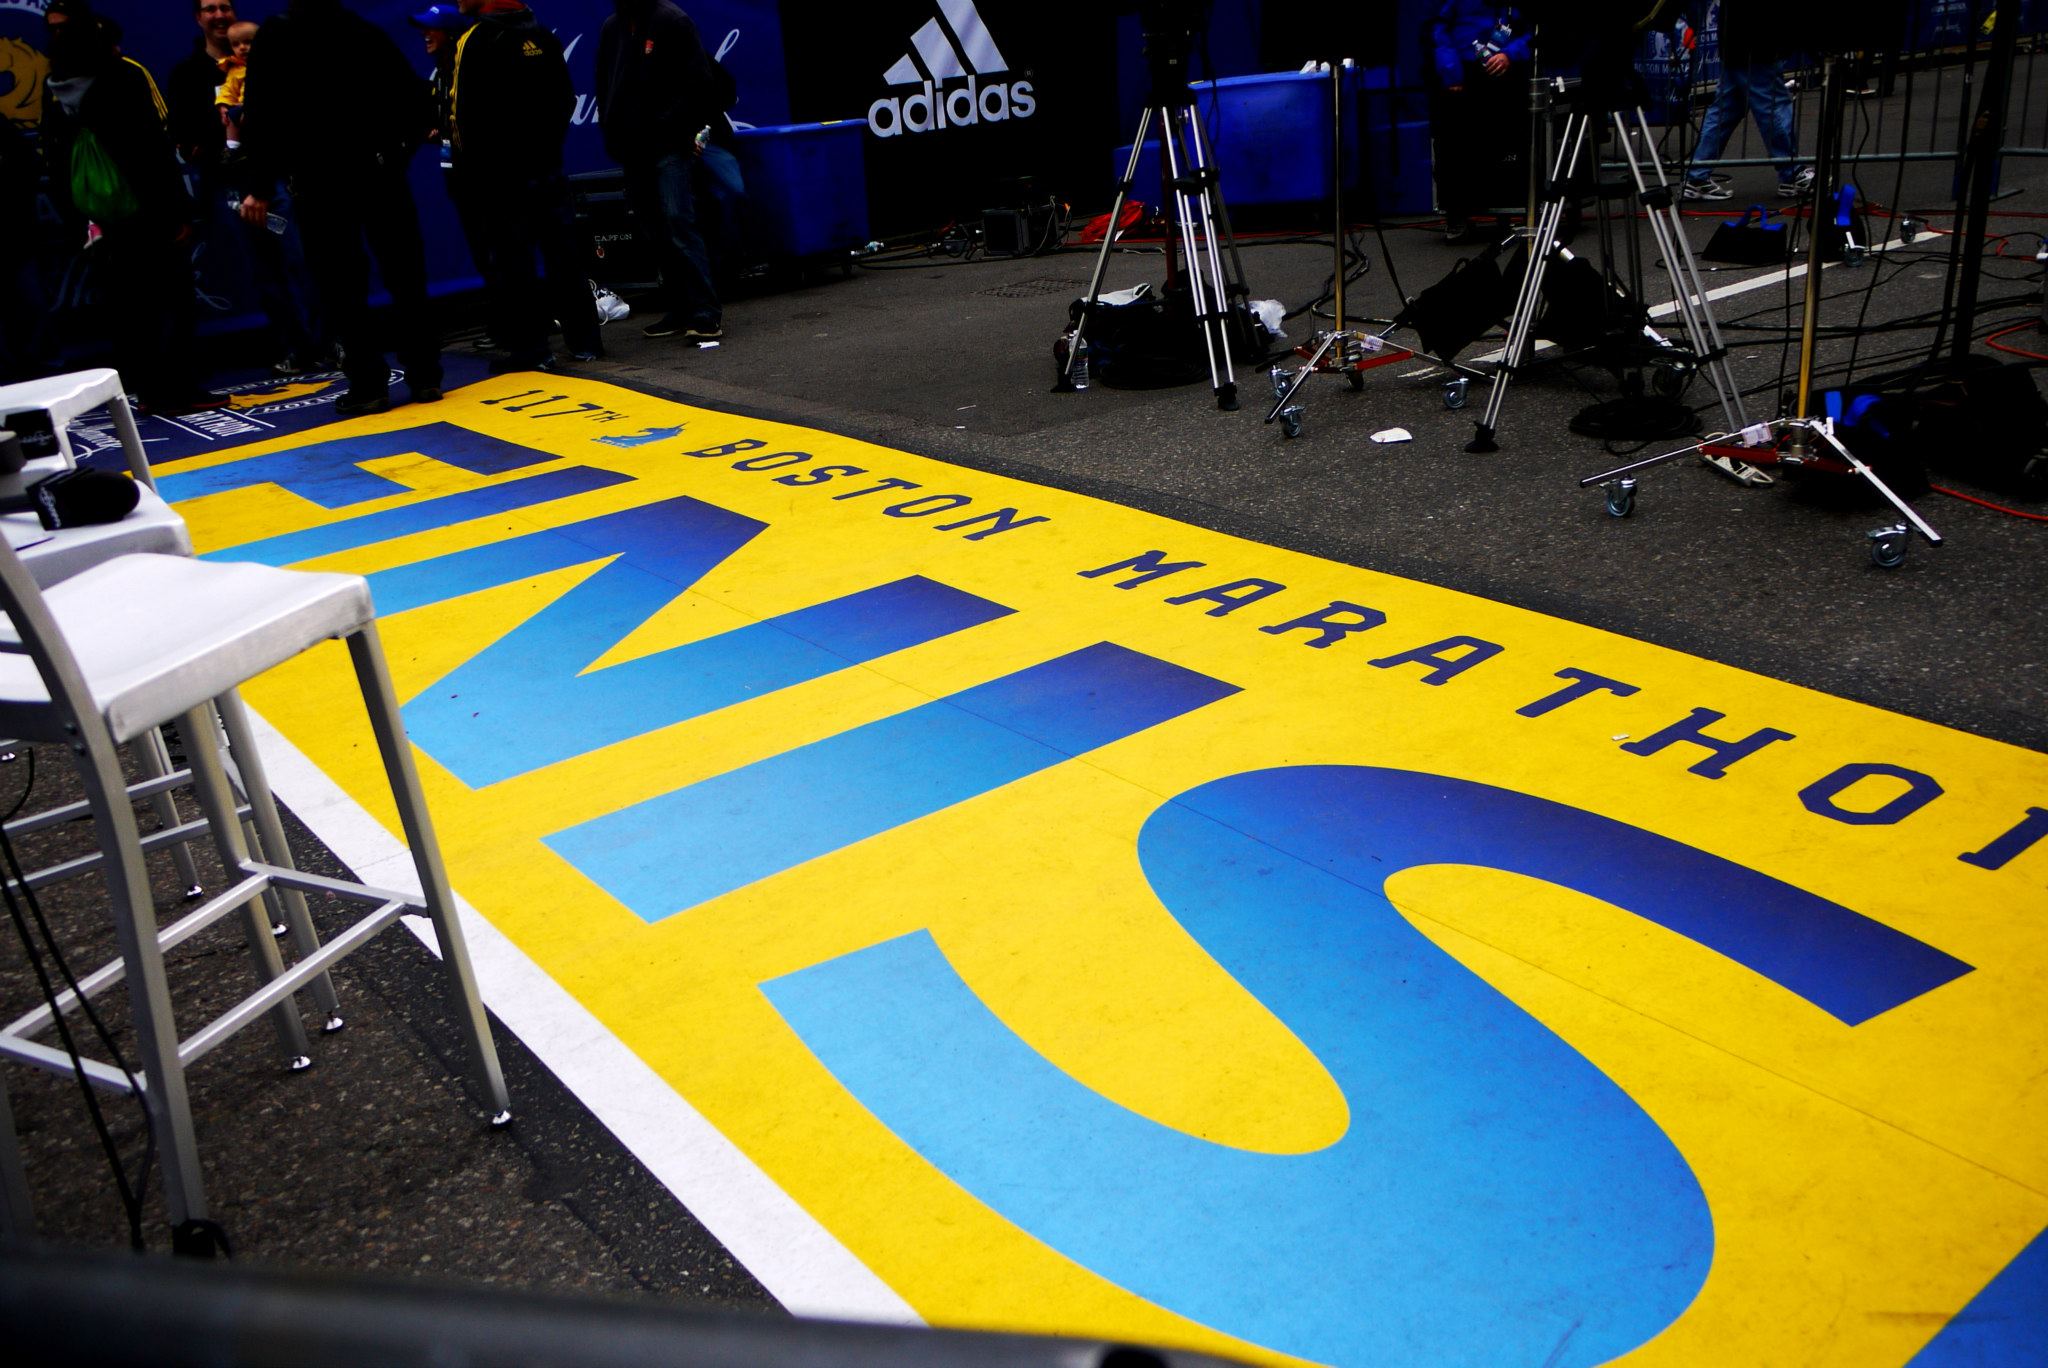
(1621, 497)
(1290, 421)
(1455, 392)
(1356, 379)
(1667, 382)
(1888, 547)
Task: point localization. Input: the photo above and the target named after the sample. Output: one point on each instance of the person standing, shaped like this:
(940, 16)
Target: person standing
(284, 294)
(441, 25)
(509, 105)
(333, 105)
(1752, 78)
(659, 104)
(1479, 109)
(111, 166)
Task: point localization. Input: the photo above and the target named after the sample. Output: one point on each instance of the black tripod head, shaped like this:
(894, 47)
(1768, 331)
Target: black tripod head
(1171, 28)
(1598, 40)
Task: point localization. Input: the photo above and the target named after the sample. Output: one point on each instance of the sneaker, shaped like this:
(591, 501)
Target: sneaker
(667, 326)
(703, 332)
(354, 405)
(1708, 190)
(1457, 231)
(425, 394)
(1801, 182)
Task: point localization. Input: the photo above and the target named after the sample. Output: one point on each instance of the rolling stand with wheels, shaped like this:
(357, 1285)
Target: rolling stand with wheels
(1340, 350)
(1809, 442)
(1201, 221)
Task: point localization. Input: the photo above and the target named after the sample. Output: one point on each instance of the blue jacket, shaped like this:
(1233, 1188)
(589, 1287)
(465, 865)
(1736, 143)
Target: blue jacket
(1465, 28)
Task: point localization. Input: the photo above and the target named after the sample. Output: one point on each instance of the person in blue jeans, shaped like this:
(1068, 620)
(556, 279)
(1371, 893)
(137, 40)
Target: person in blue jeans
(661, 106)
(1752, 79)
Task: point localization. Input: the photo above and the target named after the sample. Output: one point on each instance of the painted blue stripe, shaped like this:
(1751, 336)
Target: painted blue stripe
(2005, 1325)
(675, 541)
(326, 472)
(1494, 1199)
(444, 511)
(1376, 822)
(520, 704)
(670, 853)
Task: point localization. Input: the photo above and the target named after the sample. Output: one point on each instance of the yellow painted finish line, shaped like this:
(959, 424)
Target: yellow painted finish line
(1107, 926)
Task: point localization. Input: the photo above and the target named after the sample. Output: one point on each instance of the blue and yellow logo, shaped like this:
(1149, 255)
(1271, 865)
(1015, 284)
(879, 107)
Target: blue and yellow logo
(1103, 925)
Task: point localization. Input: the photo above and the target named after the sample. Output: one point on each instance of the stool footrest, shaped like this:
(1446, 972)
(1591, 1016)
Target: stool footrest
(99, 1074)
(113, 971)
(320, 883)
(71, 812)
(287, 983)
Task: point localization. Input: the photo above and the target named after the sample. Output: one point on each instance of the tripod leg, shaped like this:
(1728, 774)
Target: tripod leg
(1689, 287)
(1184, 222)
(1209, 199)
(1123, 193)
(1689, 293)
(1541, 248)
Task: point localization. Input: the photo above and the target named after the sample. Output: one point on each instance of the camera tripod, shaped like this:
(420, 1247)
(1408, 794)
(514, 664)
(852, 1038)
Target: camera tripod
(1201, 221)
(1653, 189)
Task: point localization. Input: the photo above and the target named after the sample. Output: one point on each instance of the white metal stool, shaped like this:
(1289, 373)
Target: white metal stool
(55, 556)
(138, 641)
(153, 526)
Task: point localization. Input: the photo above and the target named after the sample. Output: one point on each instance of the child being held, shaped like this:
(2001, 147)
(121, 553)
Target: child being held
(234, 72)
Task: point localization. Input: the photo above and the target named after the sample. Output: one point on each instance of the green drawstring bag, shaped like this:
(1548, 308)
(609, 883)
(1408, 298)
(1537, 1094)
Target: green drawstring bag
(97, 186)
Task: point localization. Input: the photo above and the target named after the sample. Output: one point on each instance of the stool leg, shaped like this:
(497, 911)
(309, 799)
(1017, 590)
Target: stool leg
(149, 995)
(271, 843)
(153, 758)
(211, 787)
(131, 440)
(382, 701)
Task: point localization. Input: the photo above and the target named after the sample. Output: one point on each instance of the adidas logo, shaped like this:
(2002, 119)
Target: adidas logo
(954, 46)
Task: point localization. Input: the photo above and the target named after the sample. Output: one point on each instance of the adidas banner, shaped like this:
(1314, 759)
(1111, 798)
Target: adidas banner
(963, 99)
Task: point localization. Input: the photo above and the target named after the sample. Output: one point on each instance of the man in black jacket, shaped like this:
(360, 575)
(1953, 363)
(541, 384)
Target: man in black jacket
(195, 127)
(657, 103)
(510, 105)
(333, 104)
(142, 257)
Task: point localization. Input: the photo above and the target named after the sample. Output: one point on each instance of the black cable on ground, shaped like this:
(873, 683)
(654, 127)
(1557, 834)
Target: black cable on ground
(132, 1193)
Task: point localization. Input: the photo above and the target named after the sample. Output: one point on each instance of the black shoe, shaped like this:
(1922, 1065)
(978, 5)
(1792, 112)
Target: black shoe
(354, 405)
(1457, 231)
(668, 326)
(425, 394)
(582, 357)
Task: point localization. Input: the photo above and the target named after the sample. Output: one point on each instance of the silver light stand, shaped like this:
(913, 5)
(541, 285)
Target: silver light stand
(1202, 223)
(1340, 350)
(1654, 191)
(1350, 346)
